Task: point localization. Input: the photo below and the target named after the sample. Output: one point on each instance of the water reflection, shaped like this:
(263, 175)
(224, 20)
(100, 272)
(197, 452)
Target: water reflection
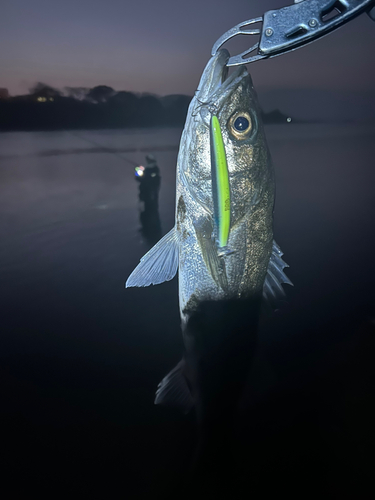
(150, 223)
(149, 180)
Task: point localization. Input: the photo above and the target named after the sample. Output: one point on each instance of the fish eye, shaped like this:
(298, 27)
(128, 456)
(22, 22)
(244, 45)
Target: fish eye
(240, 125)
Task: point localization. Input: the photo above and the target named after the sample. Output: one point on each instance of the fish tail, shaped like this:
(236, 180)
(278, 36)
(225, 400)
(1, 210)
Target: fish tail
(173, 390)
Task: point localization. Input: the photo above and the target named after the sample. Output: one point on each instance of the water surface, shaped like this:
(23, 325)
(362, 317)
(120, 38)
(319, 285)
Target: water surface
(81, 356)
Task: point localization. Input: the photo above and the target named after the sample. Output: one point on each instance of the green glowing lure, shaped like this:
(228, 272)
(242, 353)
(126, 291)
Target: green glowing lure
(220, 187)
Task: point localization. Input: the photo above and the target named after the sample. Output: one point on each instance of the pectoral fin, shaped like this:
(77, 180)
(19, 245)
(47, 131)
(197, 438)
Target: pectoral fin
(272, 289)
(159, 264)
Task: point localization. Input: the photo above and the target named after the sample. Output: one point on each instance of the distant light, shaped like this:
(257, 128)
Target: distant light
(41, 99)
(289, 119)
(51, 99)
(139, 171)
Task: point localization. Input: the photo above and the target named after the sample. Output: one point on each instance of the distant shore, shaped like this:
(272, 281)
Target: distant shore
(102, 107)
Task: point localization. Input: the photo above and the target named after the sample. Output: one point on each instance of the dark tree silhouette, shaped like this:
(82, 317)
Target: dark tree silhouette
(150, 111)
(43, 90)
(4, 94)
(123, 108)
(79, 93)
(175, 108)
(101, 93)
(46, 108)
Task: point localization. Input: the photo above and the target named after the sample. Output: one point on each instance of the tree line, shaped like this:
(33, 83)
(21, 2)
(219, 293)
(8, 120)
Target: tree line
(47, 108)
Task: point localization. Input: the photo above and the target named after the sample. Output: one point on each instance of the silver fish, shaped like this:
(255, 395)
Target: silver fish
(222, 242)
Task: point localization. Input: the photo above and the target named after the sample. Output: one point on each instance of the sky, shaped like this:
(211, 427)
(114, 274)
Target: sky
(162, 46)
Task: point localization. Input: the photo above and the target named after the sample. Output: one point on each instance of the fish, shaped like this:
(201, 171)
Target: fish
(222, 242)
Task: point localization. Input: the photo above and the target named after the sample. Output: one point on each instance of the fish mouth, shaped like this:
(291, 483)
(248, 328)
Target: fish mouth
(215, 79)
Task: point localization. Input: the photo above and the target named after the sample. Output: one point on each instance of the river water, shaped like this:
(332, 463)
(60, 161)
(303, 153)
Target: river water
(81, 356)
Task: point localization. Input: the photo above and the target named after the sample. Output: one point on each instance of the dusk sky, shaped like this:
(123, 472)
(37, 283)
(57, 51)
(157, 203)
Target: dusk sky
(162, 46)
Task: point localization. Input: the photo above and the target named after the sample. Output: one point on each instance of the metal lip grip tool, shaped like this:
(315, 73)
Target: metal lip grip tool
(294, 26)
